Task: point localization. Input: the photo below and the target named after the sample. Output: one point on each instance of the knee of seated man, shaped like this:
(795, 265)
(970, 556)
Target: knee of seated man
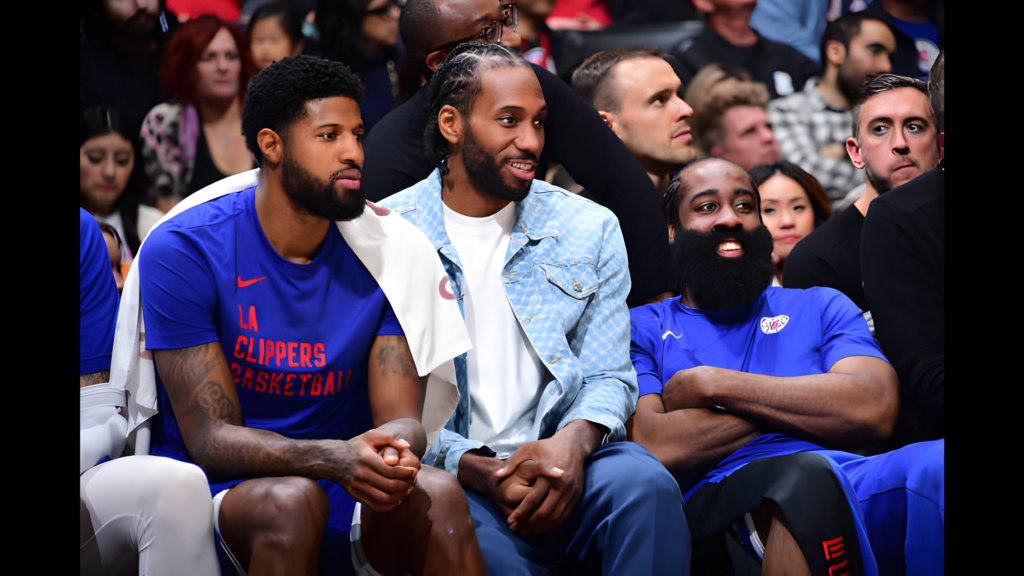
(447, 498)
(171, 476)
(279, 505)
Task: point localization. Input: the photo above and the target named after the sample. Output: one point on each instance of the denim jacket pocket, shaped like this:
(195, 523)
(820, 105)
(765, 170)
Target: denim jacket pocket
(576, 280)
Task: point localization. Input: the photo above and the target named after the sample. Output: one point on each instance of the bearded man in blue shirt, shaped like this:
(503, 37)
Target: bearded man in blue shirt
(747, 391)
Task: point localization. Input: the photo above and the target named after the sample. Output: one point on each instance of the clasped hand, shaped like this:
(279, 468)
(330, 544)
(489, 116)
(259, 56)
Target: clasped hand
(379, 469)
(538, 486)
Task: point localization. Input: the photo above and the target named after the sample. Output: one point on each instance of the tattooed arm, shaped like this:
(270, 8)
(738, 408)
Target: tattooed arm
(206, 406)
(397, 393)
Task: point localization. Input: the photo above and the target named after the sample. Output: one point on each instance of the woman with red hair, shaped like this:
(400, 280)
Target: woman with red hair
(196, 139)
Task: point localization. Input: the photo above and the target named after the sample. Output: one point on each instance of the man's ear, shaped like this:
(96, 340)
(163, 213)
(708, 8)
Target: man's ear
(853, 149)
(449, 122)
(608, 117)
(835, 52)
(434, 60)
(671, 233)
(271, 145)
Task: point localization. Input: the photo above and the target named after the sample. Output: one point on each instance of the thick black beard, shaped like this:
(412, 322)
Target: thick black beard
(320, 198)
(485, 170)
(718, 283)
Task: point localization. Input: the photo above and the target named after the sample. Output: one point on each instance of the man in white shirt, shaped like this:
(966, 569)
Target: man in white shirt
(542, 279)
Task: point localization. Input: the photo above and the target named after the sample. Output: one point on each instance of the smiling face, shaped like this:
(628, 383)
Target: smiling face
(721, 249)
(219, 68)
(786, 212)
(323, 158)
(896, 140)
(718, 196)
(651, 117)
(105, 164)
(504, 134)
(269, 42)
(747, 137)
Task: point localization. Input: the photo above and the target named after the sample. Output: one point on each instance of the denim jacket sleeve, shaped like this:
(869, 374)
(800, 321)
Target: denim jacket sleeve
(609, 393)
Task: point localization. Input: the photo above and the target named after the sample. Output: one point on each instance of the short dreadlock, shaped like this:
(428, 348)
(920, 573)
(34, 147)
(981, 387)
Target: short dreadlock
(457, 82)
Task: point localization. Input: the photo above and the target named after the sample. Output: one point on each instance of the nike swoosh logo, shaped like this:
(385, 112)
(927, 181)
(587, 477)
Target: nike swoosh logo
(244, 283)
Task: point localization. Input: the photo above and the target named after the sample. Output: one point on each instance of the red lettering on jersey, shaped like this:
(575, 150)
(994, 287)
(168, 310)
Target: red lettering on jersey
(291, 353)
(304, 378)
(318, 355)
(252, 319)
(261, 380)
(347, 376)
(248, 355)
(329, 386)
(261, 350)
(241, 342)
(236, 371)
(288, 385)
(279, 347)
(305, 351)
(247, 379)
(314, 388)
(275, 381)
(240, 321)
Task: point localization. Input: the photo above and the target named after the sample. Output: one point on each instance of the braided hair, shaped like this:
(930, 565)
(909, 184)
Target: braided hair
(456, 83)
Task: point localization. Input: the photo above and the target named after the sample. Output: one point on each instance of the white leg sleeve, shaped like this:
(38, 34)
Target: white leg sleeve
(102, 431)
(156, 508)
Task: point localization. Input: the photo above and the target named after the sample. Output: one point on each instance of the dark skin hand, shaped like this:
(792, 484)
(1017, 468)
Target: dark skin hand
(206, 405)
(538, 486)
(852, 405)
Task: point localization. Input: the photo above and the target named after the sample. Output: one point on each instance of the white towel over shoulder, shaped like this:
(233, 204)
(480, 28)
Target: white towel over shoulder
(398, 256)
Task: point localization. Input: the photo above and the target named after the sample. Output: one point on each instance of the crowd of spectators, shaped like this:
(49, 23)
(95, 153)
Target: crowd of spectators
(810, 132)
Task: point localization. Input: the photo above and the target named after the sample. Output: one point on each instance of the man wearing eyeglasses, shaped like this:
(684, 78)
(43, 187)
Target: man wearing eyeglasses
(576, 136)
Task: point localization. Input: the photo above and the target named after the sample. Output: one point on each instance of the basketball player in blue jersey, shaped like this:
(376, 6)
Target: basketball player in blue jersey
(748, 391)
(284, 372)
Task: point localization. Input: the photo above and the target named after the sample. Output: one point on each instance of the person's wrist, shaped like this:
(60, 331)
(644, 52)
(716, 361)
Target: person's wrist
(477, 472)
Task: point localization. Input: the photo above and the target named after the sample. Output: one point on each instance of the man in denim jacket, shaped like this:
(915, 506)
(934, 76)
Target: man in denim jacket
(541, 278)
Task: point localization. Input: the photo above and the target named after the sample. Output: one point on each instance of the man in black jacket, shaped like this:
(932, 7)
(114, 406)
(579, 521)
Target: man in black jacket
(903, 263)
(576, 136)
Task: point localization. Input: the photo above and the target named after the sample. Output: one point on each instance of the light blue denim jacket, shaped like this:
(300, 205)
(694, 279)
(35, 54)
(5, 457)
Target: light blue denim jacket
(567, 279)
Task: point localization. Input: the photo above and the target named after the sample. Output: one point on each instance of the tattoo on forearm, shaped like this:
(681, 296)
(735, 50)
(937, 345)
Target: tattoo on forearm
(394, 359)
(94, 378)
(210, 399)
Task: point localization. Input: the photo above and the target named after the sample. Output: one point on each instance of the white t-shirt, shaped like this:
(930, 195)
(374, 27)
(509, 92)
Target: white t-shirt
(506, 376)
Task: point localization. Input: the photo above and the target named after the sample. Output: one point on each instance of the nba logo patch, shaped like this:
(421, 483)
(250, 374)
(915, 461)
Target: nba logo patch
(773, 325)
